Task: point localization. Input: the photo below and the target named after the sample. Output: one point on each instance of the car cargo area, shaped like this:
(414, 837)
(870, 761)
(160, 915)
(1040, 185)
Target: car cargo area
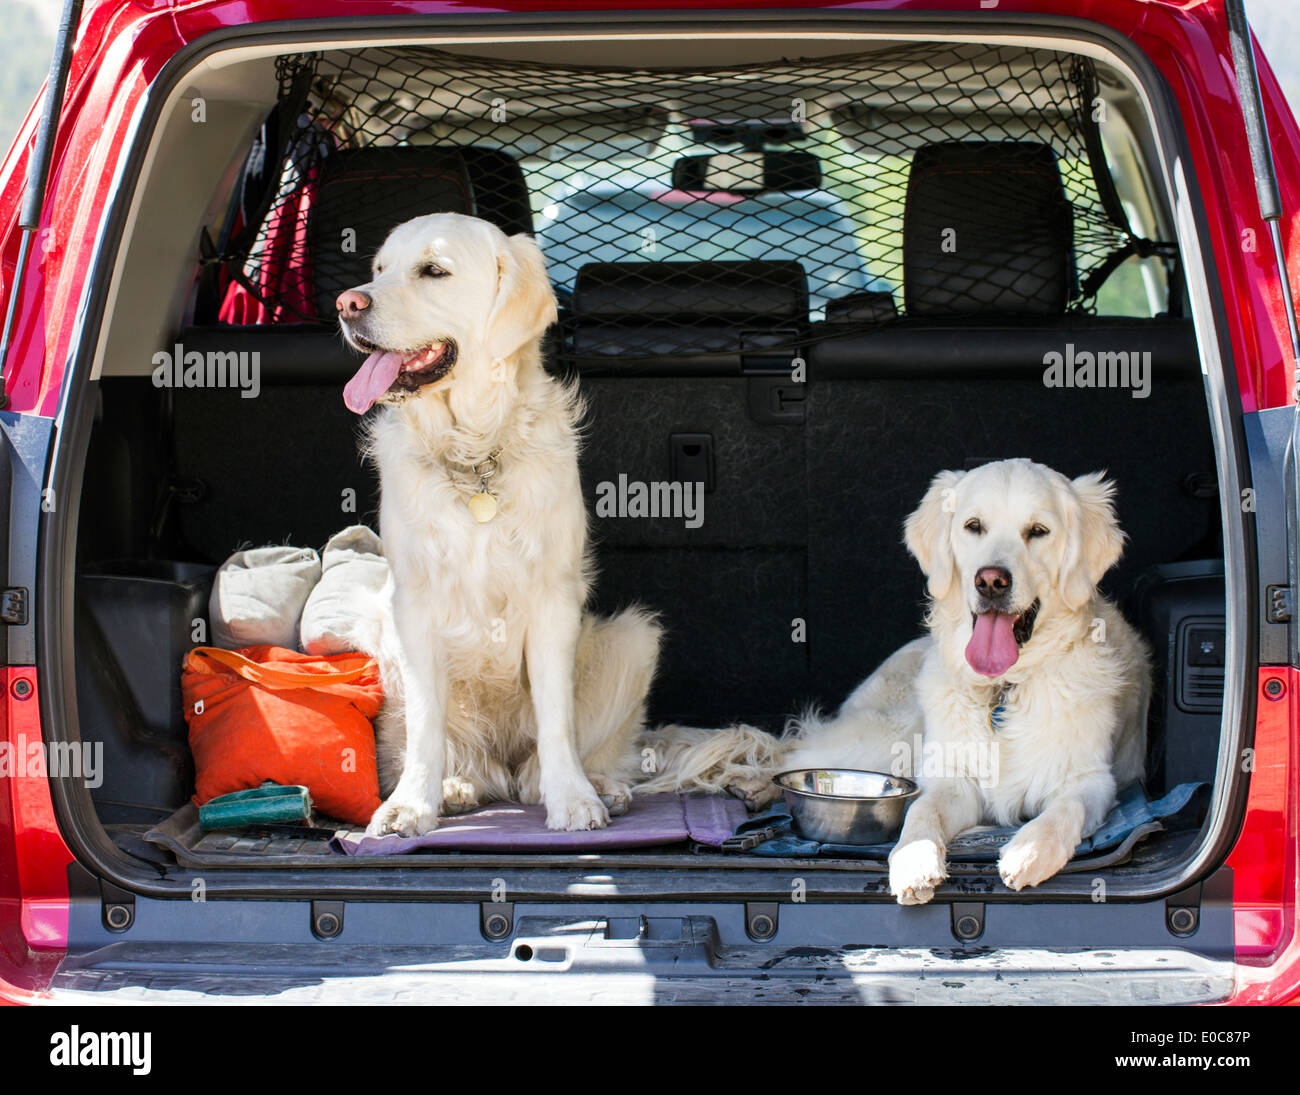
(808, 283)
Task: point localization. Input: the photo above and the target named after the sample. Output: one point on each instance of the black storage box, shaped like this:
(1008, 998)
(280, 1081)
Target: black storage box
(135, 621)
(1180, 607)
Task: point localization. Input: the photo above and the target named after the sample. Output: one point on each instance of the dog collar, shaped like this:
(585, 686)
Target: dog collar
(483, 503)
(998, 708)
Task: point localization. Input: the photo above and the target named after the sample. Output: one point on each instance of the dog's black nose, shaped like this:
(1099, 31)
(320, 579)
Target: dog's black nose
(993, 582)
(352, 301)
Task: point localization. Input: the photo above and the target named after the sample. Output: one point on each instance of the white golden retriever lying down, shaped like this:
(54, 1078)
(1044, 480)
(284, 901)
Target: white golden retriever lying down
(1026, 702)
(499, 686)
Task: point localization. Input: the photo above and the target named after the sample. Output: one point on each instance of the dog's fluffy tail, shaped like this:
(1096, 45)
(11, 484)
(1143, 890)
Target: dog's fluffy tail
(739, 760)
(616, 661)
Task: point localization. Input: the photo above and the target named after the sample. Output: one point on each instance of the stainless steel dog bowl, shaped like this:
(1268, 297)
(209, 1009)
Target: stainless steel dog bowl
(846, 806)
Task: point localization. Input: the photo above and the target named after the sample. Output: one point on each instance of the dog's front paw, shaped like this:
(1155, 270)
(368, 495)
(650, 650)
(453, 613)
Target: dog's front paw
(614, 793)
(404, 816)
(915, 870)
(575, 807)
(1031, 858)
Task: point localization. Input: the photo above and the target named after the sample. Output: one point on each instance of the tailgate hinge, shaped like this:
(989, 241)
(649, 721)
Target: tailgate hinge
(13, 606)
(1281, 604)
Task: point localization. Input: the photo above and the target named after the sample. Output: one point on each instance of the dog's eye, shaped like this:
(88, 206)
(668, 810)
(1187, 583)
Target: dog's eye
(974, 525)
(429, 270)
(1033, 532)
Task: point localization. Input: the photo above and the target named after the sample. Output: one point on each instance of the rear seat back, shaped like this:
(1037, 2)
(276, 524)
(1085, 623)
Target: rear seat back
(669, 353)
(913, 349)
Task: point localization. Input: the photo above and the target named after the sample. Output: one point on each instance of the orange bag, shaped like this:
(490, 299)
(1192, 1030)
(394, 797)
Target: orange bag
(269, 713)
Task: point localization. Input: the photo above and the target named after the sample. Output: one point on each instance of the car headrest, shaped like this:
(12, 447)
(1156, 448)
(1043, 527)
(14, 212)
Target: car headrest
(500, 190)
(750, 292)
(364, 193)
(987, 229)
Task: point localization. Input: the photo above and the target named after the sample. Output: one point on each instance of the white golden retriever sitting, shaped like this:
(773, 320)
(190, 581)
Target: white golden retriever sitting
(1025, 703)
(499, 686)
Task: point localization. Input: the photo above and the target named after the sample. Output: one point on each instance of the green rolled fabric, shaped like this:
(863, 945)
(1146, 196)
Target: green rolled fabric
(270, 804)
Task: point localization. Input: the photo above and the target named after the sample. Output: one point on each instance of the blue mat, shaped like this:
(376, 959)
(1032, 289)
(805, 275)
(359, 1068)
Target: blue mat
(1134, 816)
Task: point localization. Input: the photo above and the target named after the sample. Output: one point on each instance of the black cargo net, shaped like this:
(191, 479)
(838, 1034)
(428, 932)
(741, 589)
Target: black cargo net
(695, 212)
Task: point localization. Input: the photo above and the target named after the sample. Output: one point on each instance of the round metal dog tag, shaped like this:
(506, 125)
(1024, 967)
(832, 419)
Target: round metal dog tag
(483, 506)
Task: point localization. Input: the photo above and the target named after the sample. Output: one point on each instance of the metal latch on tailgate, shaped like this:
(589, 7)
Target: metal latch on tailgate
(616, 942)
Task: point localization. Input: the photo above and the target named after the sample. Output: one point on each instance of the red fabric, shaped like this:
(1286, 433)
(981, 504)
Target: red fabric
(268, 713)
(285, 273)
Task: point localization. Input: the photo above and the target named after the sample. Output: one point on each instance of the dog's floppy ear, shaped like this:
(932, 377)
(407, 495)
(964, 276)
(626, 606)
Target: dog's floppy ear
(525, 302)
(1095, 542)
(926, 532)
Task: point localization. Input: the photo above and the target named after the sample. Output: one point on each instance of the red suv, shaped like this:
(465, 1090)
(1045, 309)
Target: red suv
(201, 179)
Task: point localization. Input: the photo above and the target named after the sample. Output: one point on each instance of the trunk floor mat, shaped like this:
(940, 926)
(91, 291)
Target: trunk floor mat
(653, 822)
(180, 837)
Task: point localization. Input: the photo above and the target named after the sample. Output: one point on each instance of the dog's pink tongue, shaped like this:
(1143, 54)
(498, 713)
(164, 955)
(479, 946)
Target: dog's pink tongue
(373, 379)
(992, 649)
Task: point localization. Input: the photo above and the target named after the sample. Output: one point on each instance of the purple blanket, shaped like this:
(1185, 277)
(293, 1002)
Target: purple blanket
(510, 827)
